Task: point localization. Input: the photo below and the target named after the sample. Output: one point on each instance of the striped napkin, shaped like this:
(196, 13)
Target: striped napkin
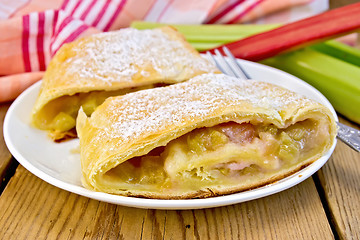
(32, 31)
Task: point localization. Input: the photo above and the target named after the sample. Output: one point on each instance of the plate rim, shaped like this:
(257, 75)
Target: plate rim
(171, 204)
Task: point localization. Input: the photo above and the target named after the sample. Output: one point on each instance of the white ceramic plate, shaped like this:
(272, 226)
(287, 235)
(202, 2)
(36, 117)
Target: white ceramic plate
(59, 165)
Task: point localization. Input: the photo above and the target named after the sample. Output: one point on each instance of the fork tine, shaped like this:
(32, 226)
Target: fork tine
(239, 68)
(216, 62)
(225, 65)
(228, 65)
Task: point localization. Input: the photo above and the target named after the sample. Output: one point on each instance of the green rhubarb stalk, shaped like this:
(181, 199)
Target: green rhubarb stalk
(211, 33)
(204, 37)
(339, 81)
(216, 37)
(203, 46)
(339, 50)
(205, 29)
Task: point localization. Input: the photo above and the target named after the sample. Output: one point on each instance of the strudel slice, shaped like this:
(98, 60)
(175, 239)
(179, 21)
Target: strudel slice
(211, 135)
(87, 71)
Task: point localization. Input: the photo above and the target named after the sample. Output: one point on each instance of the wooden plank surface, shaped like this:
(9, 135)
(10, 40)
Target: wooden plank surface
(340, 3)
(340, 181)
(33, 209)
(5, 157)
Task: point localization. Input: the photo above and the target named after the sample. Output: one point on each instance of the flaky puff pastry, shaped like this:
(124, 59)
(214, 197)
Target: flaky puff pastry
(121, 60)
(146, 144)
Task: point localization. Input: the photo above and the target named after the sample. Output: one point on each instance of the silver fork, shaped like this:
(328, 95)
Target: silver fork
(231, 66)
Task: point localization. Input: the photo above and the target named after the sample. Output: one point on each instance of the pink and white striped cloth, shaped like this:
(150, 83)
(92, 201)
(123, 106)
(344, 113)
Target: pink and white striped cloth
(233, 11)
(45, 32)
(32, 31)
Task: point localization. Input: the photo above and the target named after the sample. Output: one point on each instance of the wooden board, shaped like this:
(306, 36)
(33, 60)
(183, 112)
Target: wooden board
(33, 209)
(6, 161)
(340, 181)
(339, 3)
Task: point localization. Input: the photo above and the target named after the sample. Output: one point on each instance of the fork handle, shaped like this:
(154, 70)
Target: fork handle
(349, 136)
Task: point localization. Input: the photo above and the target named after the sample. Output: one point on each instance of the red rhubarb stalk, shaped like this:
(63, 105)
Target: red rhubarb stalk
(298, 34)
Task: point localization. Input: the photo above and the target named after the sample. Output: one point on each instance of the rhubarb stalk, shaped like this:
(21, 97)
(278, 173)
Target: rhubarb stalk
(339, 81)
(298, 34)
(215, 34)
(339, 50)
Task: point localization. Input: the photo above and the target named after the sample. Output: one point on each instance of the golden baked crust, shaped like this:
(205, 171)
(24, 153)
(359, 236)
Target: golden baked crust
(122, 59)
(132, 125)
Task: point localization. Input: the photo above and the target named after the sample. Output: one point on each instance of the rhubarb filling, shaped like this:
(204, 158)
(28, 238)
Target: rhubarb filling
(59, 115)
(221, 155)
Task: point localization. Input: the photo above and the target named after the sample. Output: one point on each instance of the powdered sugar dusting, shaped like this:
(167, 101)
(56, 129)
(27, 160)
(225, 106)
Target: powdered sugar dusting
(200, 97)
(111, 55)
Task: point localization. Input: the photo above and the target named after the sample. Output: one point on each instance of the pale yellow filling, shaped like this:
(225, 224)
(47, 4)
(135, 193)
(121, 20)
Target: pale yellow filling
(222, 155)
(60, 114)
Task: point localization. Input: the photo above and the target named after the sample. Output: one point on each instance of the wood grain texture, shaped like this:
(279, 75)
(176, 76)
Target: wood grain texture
(339, 3)
(340, 180)
(5, 156)
(4, 152)
(33, 209)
